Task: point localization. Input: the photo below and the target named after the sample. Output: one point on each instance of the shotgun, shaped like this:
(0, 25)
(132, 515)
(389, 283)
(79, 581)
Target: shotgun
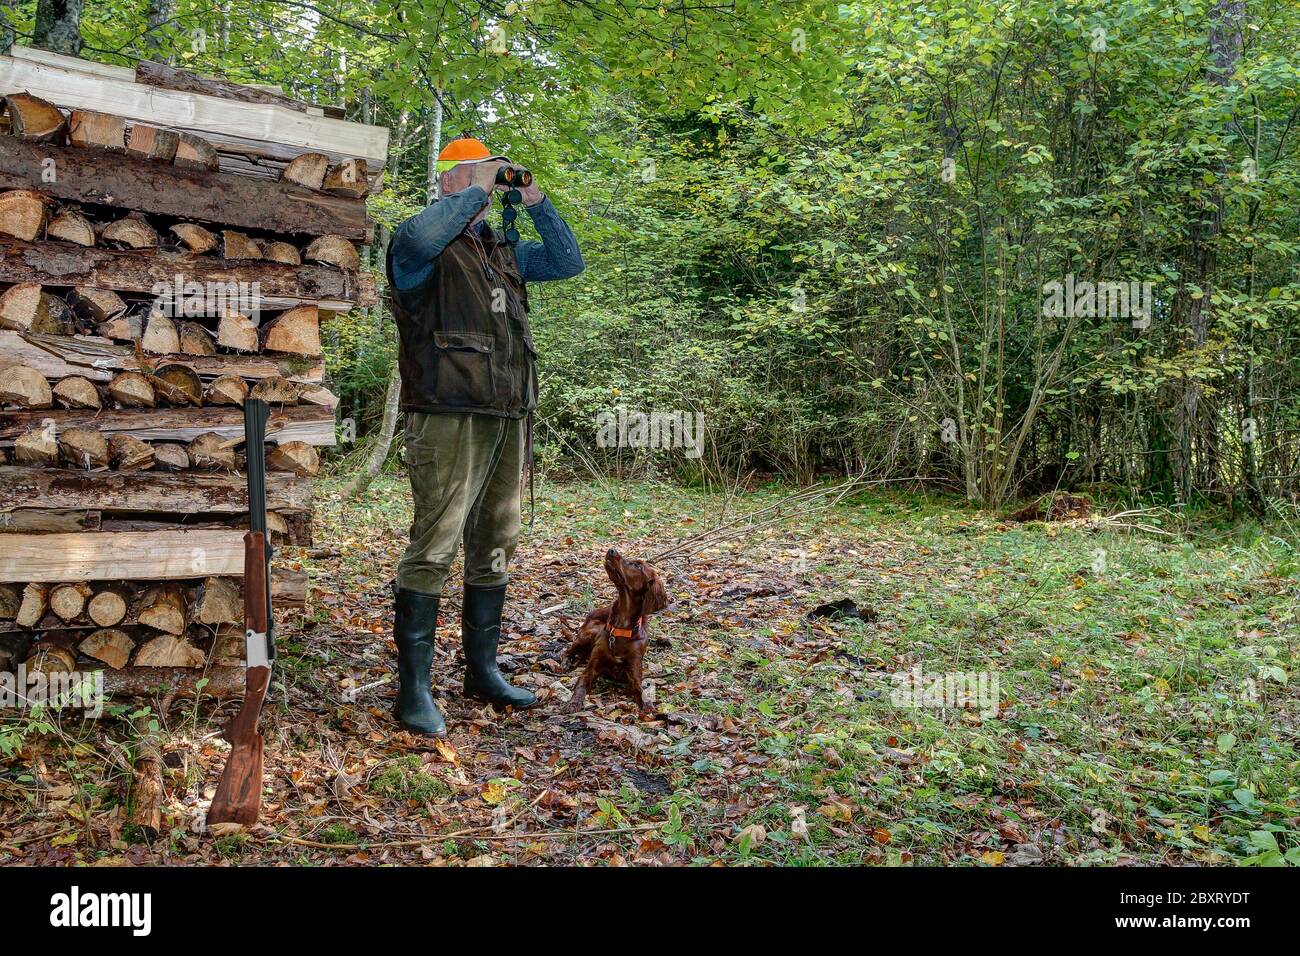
(239, 794)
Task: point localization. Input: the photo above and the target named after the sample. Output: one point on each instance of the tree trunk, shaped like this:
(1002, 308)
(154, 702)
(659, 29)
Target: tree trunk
(58, 26)
(158, 16)
(6, 28)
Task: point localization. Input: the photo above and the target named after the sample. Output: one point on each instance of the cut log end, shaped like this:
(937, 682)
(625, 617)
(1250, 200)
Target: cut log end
(34, 119)
(109, 645)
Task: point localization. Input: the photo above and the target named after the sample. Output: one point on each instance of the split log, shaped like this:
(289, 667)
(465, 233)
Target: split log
(125, 182)
(109, 606)
(76, 391)
(169, 457)
(13, 651)
(148, 492)
(221, 601)
(179, 384)
(53, 316)
(226, 390)
(334, 251)
(68, 601)
(71, 227)
(277, 391)
(83, 448)
(35, 602)
(281, 252)
(109, 645)
(296, 332)
(97, 305)
(24, 387)
(160, 335)
(51, 655)
(210, 450)
(195, 152)
(196, 340)
(128, 453)
(236, 245)
(34, 119)
(18, 306)
(22, 214)
(318, 395)
(124, 328)
(162, 608)
(152, 143)
(349, 178)
(98, 130)
(131, 233)
(147, 793)
(168, 650)
(237, 332)
(229, 646)
(141, 270)
(36, 447)
(11, 599)
(296, 457)
(132, 390)
(196, 238)
(307, 169)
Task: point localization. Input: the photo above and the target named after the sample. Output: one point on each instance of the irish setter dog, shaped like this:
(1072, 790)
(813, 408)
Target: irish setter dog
(613, 639)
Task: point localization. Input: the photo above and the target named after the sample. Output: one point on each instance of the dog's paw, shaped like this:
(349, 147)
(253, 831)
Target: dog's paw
(572, 707)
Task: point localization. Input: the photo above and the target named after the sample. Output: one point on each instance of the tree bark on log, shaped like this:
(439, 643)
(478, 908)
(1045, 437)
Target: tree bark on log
(128, 182)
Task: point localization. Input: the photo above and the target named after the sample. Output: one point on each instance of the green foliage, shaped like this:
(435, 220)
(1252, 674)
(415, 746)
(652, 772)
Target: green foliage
(829, 225)
(407, 779)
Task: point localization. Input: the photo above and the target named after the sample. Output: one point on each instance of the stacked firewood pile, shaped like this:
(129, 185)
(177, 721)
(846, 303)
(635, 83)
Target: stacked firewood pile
(169, 246)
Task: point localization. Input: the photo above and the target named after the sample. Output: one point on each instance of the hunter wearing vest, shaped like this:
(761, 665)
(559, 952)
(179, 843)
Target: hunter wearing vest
(469, 385)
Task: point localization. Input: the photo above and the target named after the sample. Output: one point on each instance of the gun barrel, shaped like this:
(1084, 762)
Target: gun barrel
(256, 413)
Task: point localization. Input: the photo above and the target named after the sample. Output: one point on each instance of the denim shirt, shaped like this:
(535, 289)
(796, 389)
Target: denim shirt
(419, 241)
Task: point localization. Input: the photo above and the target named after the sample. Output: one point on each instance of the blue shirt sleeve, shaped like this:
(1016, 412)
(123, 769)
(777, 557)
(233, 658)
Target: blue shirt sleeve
(420, 240)
(557, 255)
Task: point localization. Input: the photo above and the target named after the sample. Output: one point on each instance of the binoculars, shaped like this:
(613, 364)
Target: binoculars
(514, 176)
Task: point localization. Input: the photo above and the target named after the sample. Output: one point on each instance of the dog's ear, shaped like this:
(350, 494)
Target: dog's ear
(655, 598)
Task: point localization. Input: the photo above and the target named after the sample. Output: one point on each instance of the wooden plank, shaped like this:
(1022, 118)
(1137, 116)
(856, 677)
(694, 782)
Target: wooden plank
(64, 82)
(129, 182)
(143, 270)
(36, 55)
(121, 555)
(146, 492)
(97, 359)
(313, 424)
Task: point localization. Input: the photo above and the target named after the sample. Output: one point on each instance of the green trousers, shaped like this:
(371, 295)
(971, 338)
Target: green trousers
(465, 473)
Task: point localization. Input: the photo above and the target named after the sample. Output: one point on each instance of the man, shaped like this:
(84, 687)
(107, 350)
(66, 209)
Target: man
(469, 382)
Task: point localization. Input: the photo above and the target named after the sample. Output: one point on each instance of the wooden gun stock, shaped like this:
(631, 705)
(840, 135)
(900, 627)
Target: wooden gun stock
(239, 794)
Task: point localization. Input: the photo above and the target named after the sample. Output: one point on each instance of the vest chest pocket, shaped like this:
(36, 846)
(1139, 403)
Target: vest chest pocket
(465, 368)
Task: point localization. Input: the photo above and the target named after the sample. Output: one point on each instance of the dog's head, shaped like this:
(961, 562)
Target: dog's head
(638, 581)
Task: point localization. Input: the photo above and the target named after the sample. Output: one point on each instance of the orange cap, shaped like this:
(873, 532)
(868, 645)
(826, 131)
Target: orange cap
(466, 149)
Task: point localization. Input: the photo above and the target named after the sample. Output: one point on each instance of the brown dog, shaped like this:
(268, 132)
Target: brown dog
(613, 639)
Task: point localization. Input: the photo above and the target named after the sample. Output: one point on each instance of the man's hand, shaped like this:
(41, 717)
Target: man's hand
(531, 193)
(484, 175)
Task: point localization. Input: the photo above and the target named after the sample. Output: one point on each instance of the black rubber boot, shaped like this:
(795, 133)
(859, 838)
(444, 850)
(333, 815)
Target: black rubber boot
(480, 631)
(414, 630)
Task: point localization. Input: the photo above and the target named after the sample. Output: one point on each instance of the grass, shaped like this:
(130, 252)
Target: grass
(1144, 713)
(1145, 710)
